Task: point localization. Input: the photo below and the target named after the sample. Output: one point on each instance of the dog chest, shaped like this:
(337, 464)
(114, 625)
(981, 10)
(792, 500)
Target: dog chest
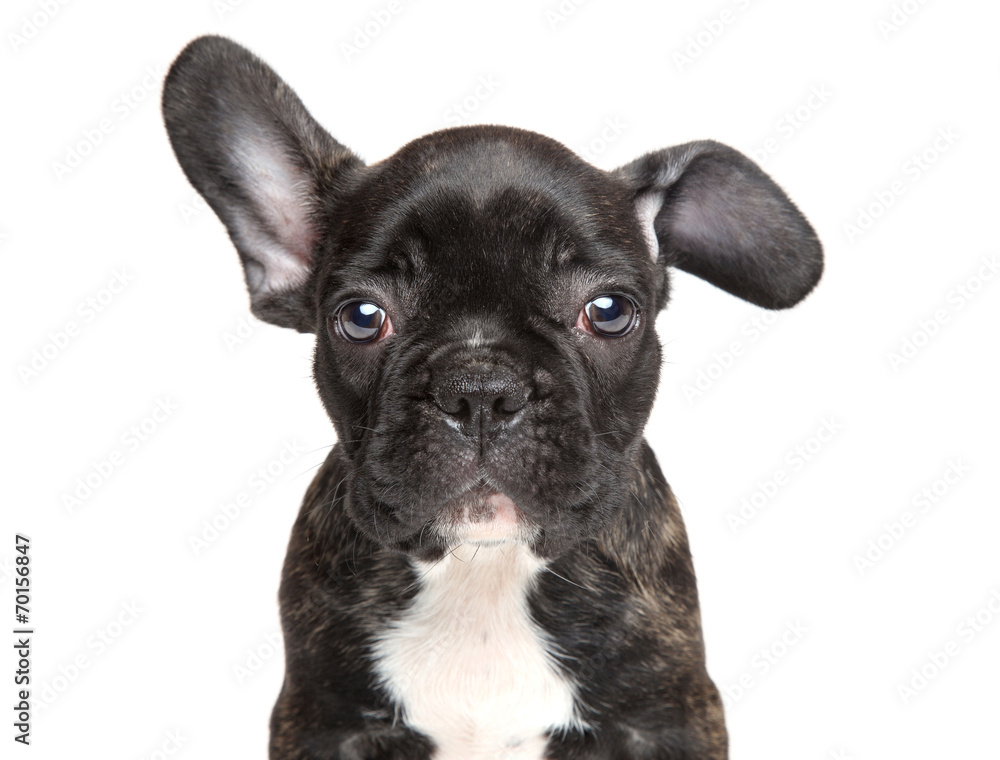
(467, 665)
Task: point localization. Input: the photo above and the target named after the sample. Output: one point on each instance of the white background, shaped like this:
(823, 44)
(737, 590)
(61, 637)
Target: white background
(169, 673)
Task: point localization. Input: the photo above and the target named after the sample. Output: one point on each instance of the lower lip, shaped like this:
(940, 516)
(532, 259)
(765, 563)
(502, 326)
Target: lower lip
(503, 525)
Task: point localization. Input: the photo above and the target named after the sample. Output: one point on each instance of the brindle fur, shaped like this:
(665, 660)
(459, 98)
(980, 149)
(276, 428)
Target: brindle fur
(625, 599)
(483, 243)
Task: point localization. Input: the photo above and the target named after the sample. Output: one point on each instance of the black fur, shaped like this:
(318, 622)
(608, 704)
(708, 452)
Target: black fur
(726, 221)
(498, 235)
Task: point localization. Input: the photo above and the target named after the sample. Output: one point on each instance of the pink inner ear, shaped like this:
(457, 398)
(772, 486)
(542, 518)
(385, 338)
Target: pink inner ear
(647, 206)
(710, 223)
(278, 233)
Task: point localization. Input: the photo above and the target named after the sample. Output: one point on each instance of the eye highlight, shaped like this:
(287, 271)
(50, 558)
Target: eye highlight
(610, 316)
(361, 322)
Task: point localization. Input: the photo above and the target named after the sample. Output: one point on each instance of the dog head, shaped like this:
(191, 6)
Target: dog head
(483, 300)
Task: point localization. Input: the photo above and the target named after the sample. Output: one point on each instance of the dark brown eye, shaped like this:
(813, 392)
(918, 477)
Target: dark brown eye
(609, 316)
(362, 321)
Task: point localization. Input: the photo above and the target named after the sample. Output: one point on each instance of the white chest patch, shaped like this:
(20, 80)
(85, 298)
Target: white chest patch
(468, 666)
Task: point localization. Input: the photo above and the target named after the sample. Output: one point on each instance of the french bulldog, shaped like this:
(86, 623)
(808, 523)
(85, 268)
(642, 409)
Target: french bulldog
(490, 563)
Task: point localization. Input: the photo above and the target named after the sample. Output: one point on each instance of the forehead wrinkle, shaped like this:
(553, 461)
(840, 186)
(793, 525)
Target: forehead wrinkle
(370, 285)
(478, 173)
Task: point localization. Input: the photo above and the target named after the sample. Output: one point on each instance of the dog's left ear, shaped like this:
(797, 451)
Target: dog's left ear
(711, 211)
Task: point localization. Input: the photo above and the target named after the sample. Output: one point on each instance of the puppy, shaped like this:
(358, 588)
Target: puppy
(490, 563)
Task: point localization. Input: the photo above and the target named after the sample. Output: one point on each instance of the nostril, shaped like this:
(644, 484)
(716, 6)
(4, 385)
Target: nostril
(462, 410)
(480, 399)
(454, 406)
(505, 406)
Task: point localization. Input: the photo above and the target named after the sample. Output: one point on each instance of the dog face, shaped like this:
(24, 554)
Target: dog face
(486, 342)
(483, 300)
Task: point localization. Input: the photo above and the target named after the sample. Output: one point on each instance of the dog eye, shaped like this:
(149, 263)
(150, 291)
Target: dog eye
(609, 316)
(363, 321)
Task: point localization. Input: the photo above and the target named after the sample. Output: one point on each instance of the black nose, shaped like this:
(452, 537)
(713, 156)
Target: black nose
(480, 401)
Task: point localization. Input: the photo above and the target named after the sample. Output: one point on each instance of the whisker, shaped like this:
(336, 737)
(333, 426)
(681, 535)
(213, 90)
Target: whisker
(354, 553)
(323, 502)
(320, 448)
(435, 564)
(571, 583)
(614, 475)
(336, 496)
(308, 470)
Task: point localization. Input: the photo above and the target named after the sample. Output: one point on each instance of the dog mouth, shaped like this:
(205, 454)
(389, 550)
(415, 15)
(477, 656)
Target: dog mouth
(483, 515)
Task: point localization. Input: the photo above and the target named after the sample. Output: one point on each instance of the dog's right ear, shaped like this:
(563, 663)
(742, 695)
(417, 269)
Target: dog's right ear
(711, 211)
(248, 145)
